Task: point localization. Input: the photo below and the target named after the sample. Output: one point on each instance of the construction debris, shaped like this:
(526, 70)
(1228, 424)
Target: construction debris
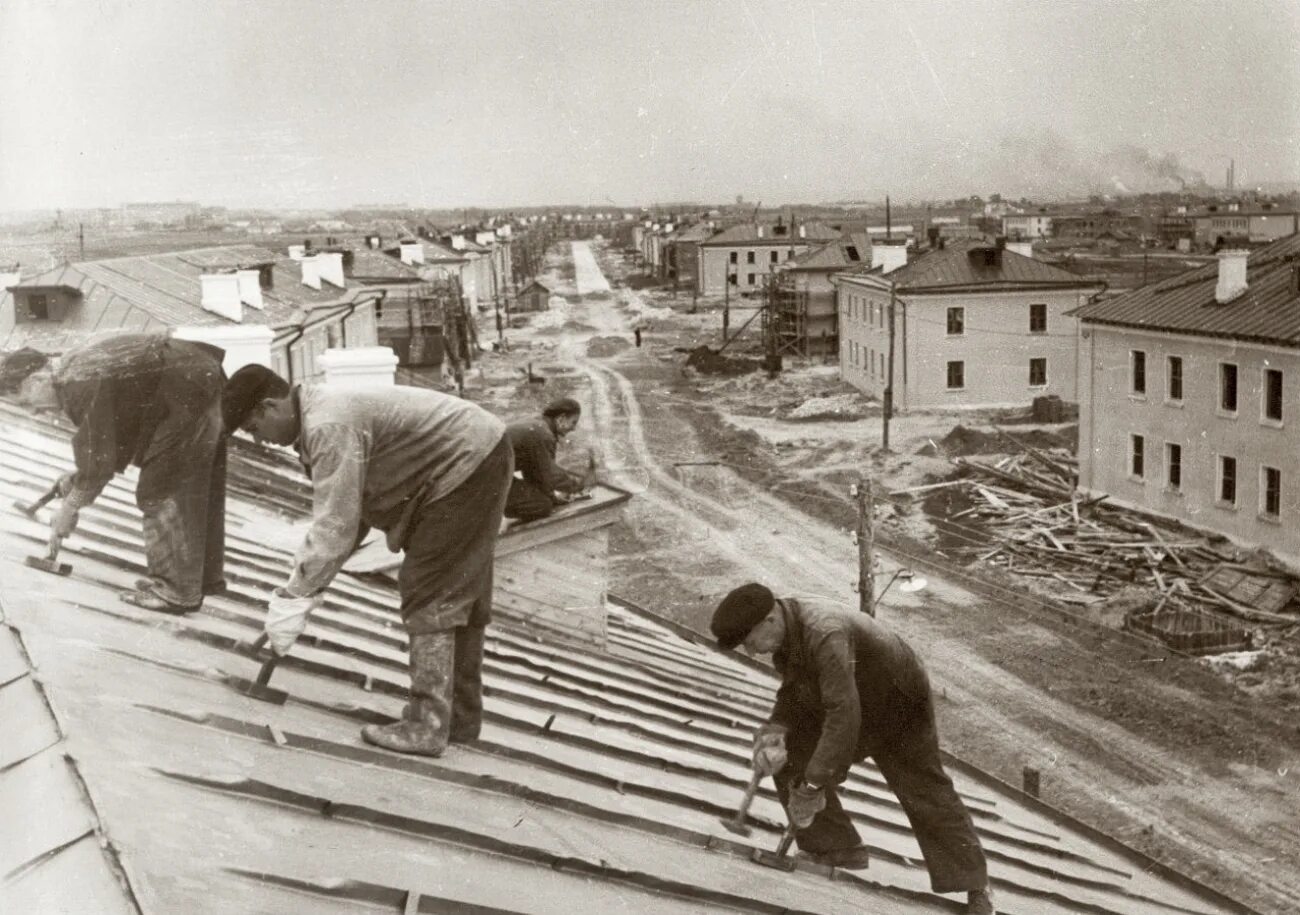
(1199, 595)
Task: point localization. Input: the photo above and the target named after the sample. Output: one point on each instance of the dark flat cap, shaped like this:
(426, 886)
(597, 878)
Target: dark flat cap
(247, 388)
(739, 612)
(562, 406)
(18, 365)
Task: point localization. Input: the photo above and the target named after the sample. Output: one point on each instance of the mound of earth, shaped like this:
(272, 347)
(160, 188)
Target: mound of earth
(708, 361)
(606, 346)
(832, 407)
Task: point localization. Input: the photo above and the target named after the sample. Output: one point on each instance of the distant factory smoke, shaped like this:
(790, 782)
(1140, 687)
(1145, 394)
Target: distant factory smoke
(1050, 165)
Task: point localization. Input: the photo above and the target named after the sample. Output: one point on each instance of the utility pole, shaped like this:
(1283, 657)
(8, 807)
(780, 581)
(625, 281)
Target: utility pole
(865, 536)
(81, 238)
(888, 412)
(726, 299)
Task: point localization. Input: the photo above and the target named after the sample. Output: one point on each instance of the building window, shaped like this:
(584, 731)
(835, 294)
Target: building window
(1270, 492)
(38, 307)
(1228, 387)
(732, 279)
(774, 256)
(1137, 455)
(332, 336)
(751, 279)
(735, 257)
(749, 257)
(1273, 394)
(1175, 379)
(1174, 466)
(1138, 371)
(956, 321)
(1037, 372)
(1038, 319)
(1227, 480)
(956, 376)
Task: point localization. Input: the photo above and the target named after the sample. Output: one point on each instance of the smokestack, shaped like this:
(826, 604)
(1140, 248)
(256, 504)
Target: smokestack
(888, 221)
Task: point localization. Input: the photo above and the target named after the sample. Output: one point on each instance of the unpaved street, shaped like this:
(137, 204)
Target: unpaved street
(1130, 749)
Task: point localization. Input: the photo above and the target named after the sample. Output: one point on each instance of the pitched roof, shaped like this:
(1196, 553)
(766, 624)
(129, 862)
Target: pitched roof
(158, 291)
(955, 266)
(1268, 311)
(747, 233)
(836, 255)
(700, 231)
(146, 782)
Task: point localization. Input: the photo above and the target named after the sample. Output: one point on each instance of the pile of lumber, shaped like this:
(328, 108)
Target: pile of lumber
(1027, 517)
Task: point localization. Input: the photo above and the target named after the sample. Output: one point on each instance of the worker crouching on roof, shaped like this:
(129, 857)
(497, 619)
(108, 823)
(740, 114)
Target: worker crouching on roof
(155, 402)
(540, 483)
(431, 471)
(851, 689)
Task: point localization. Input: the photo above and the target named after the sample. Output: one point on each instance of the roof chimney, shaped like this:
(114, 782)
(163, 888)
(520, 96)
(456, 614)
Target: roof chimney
(1232, 275)
(803, 230)
(411, 252)
(1023, 248)
(297, 252)
(329, 265)
(888, 257)
(219, 294)
(250, 287)
(310, 272)
(760, 231)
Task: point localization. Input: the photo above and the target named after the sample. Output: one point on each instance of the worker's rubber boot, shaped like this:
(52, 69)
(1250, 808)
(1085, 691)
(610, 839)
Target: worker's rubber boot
(979, 902)
(426, 719)
(467, 685)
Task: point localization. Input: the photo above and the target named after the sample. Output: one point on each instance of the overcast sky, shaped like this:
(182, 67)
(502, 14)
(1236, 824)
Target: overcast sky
(326, 103)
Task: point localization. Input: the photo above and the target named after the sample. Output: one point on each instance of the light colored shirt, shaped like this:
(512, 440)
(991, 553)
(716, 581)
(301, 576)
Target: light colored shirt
(369, 451)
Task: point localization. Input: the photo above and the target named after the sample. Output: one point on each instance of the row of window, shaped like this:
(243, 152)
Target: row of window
(1037, 319)
(1271, 387)
(956, 371)
(750, 256)
(1270, 478)
(750, 279)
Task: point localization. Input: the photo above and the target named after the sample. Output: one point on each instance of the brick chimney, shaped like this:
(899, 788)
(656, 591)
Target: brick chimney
(364, 366)
(219, 294)
(1232, 275)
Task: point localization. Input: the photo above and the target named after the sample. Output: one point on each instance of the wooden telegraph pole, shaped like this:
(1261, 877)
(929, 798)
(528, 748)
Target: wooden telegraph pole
(888, 412)
(865, 537)
(726, 299)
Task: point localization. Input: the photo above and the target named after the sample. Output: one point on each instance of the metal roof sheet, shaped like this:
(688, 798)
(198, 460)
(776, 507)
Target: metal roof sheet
(1268, 311)
(953, 266)
(747, 234)
(597, 785)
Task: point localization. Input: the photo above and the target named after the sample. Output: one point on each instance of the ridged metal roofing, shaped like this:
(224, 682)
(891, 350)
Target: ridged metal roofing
(747, 234)
(1268, 311)
(597, 785)
(954, 266)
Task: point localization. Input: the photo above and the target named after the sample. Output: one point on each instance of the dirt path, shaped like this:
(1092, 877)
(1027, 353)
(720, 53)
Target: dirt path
(1014, 692)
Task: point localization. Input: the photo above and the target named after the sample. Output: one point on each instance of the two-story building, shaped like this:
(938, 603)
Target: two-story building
(1032, 225)
(240, 297)
(1187, 400)
(1230, 223)
(742, 256)
(803, 296)
(974, 325)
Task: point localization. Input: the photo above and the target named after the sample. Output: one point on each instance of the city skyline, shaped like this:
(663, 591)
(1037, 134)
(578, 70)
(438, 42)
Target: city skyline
(455, 105)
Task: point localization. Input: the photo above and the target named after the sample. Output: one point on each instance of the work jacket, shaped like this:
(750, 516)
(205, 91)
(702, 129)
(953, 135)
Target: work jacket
(110, 388)
(844, 673)
(535, 445)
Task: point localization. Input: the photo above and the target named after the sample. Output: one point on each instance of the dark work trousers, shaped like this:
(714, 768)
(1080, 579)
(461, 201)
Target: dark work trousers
(527, 501)
(446, 576)
(912, 767)
(182, 495)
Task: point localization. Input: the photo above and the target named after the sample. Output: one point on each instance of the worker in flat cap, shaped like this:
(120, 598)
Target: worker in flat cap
(540, 484)
(153, 401)
(431, 471)
(851, 689)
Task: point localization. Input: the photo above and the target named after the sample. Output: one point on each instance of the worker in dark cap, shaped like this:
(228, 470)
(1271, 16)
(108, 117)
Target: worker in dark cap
(540, 483)
(429, 470)
(152, 401)
(851, 689)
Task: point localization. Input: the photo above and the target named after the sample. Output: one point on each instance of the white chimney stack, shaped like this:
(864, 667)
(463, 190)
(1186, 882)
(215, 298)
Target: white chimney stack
(412, 252)
(1232, 275)
(760, 231)
(219, 294)
(458, 242)
(9, 278)
(888, 257)
(364, 366)
(803, 231)
(246, 344)
(329, 266)
(1023, 248)
(250, 288)
(297, 252)
(310, 271)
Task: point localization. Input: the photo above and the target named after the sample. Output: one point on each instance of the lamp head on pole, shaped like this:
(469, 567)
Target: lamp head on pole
(910, 582)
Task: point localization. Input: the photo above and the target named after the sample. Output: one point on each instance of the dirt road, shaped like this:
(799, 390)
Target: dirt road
(1142, 755)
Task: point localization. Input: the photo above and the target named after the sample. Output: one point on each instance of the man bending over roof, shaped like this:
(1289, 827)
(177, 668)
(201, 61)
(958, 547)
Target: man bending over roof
(540, 483)
(152, 401)
(431, 471)
(851, 689)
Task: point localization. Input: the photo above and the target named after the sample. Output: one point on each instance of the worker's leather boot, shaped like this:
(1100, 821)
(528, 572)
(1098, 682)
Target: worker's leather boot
(979, 902)
(467, 689)
(426, 719)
